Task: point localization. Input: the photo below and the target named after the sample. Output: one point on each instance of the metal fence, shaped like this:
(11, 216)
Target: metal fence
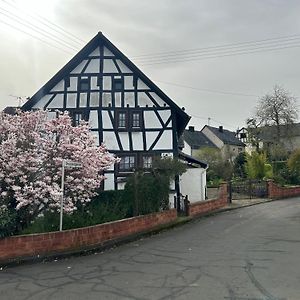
(247, 189)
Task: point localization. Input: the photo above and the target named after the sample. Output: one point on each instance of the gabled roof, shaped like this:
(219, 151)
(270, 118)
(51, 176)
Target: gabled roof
(197, 139)
(192, 160)
(181, 117)
(226, 136)
(10, 110)
(269, 133)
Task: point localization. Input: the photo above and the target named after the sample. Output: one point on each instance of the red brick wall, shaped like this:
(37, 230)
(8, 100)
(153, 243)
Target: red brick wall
(276, 192)
(32, 245)
(202, 207)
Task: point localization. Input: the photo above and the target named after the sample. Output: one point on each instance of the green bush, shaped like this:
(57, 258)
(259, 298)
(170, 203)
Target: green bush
(8, 221)
(147, 193)
(107, 206)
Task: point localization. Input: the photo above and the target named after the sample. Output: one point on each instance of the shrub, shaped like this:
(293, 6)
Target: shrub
(105, 207)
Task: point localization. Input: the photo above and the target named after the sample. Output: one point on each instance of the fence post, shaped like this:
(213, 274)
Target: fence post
(186, 205)
(229, 192)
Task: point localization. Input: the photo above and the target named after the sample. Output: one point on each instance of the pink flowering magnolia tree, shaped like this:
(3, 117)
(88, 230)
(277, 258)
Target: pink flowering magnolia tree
(32, 149)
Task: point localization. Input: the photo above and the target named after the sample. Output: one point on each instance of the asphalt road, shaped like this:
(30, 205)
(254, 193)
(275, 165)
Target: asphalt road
(251, 253)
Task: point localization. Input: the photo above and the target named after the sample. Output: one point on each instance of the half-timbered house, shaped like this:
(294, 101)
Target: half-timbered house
(124, 108)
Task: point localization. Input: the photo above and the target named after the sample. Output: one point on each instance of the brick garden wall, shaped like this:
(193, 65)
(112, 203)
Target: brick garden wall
(277, 192)
(32, 245)
(205, 206)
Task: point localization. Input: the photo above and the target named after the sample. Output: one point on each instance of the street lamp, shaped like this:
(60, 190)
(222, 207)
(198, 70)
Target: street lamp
(70, 165)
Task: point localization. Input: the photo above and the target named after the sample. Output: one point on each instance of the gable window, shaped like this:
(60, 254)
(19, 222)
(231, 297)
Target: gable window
(136, 120)
(127, 163)
(147, 162)
(122, 119)
(77, 117)
(118, 84)
(84, 84)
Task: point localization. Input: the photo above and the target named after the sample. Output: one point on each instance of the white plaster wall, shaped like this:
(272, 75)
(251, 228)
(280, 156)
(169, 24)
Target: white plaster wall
(94, 100)
(123, 67)
(79, 68)
(212, 137)
(96, 137)
(159, 101)
(107, 52)
(59, 87)
(73, 85)
(129, 99)
(165, 141)
(94, 81)
(150, 137)
(96, 52)
(110, 140)
(124, 137)
(137, 141)
(93, 66)
(106, 122)
(93, 121)
(42, 102)
(144, 100)
(71, 100)
(191, 184)
(171, 199)
(187, 148)
(106, 83)
(83, 100)
(57, 102)
(109, 66)
(165, 115)
(141, 85)
(109, 182)
(51, 115)
(151, 120)
(128, 83)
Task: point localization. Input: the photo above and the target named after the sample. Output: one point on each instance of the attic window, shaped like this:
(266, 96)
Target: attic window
(84, 84)
(118, 84)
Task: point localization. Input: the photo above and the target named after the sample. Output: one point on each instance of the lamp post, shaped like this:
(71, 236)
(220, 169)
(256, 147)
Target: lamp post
(65, 164)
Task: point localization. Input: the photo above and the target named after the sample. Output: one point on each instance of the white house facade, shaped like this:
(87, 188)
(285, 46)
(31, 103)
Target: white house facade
(125, 109)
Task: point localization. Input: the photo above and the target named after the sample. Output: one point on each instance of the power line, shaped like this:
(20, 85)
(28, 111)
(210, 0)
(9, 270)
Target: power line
(38, 38)
(231, 45)
(32, 26)
(48, 23)
(212, 119)
(224, 54)
(218, 56)
(208, 90)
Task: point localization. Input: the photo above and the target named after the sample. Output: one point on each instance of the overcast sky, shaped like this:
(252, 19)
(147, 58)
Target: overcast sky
(170, 40)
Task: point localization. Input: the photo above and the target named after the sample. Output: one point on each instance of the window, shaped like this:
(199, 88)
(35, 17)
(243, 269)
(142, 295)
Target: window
(127, 163)
(136, 120)
(84, 84)
(117, 84)
(122, 119)
(77, 116)
(147, 162)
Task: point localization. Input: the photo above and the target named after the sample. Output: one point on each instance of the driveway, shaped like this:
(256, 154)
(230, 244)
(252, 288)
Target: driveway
(251, 253)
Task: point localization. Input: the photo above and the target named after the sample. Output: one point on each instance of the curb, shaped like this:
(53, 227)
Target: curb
(180, 221)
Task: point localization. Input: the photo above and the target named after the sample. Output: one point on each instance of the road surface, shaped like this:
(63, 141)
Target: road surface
(251, 253)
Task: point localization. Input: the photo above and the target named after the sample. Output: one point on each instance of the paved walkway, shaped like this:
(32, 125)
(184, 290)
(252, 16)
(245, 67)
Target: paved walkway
(242, 254)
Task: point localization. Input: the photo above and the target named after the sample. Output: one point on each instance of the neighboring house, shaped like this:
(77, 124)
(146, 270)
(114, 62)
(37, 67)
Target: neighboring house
(125, 109)
(192, 140)
(193, 181)
(267, 136)
(10, 110)
(212, 137)
(225, 140)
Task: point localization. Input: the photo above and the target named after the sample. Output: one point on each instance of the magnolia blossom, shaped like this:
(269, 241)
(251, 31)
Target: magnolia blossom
(32, 149)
